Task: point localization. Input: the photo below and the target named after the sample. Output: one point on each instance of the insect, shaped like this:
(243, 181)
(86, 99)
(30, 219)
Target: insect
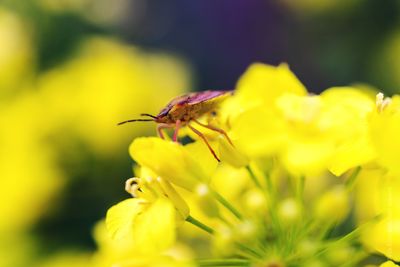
(183, 110)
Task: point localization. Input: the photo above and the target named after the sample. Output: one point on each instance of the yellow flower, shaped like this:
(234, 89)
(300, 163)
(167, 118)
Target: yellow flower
(384, 237)
(258, 132)
(385, 132)
(333, 206)
(377, 195)
(262, 84)
(368, 194)
(349, 106)
(112, 252)
(174, 162)
(150, 226)
(28, 164)
(271, 114)
(273, 190)
(319, 132)
(108, 82)
(130, 219)
(251, 112)
(308, 145)
(150, 189)
(388, 264)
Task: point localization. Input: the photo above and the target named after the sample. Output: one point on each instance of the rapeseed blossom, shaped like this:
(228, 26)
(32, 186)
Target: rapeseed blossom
(101, 81)
(311, 180)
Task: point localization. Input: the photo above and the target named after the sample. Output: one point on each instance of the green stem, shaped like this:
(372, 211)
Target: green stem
(249, 250)
(356, 259)
(325, 230)
(224, 262)
(352, 179)
(226, 204)
(253, 176)
(273, 204)
(199, 224)
(350, 237)
(300, 192)
(270, 186)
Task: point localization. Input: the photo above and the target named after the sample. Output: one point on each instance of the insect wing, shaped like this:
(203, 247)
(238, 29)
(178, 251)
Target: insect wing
(191, 99)
(176, 101)
(205, 96)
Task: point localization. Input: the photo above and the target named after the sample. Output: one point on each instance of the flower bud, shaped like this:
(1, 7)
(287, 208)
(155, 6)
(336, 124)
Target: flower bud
(255, 201)
(206, 201)
(231, 155)
(333, 206)
(289, 210)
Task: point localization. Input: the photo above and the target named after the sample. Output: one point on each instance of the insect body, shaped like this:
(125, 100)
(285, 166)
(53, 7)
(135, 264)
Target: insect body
(183, 110)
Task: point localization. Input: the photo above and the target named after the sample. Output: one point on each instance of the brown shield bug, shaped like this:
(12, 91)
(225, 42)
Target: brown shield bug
(183, 110)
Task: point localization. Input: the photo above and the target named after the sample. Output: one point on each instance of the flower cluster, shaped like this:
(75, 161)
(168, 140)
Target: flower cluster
(312, 180)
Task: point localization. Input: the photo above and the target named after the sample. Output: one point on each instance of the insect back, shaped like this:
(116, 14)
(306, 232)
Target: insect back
(186, 110)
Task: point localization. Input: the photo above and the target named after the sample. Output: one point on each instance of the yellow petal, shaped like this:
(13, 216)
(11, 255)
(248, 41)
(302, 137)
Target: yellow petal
(351, 153)
(309, 144)
(260, 85)
(345, 106)
(384, 237)
(154, 229)
(265, 83)
(354, 100)
(207, 164)
(388, 264)
(169, 160)
(385, 132)
(120, 217)
(377, 193)
(231, 155)
(307, 157)
(258, 132)
(178, 202)
(230, 181)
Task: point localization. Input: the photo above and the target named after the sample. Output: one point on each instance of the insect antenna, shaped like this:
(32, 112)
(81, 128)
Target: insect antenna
(148, 115)
(123, 122)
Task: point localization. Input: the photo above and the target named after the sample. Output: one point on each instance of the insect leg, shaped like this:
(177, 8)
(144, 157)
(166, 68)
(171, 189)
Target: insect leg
(162, 126)
(205, 140)
(177, 126)
(214, 129)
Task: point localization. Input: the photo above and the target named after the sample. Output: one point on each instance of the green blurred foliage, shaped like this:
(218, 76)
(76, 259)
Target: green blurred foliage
(349, 41)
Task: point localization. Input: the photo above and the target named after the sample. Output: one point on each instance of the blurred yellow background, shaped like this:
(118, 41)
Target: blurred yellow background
(70, 70)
